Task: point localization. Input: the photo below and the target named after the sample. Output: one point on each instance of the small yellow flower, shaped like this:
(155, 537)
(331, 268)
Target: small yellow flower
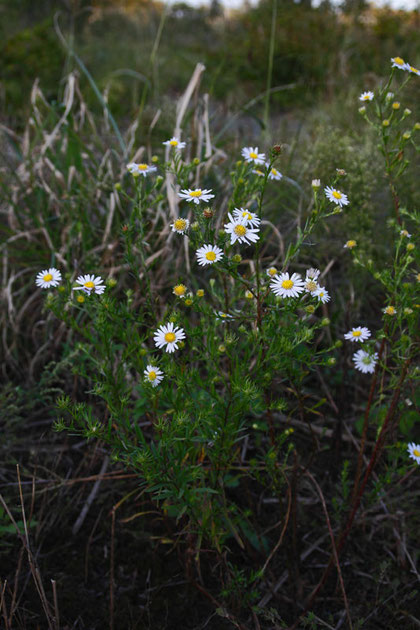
(350, 244)
(396, 105)
(249, 295)
(180, 290)
(188, 302)
(200, 293)
(80, 299)
(390, 310)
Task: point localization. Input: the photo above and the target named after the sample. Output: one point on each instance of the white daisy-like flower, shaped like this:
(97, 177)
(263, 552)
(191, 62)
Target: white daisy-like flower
(209, 254)
(180, 290)
(405, 233)
(311, 285)
(399, 63)
(257, 171)
(220, 315)
(336, 196)
(251, 155)
(180, 226)
(48, 278)
(316, 183)
(366, 96)
(414, 451)
(275, 174)
(90, 284)
(239, 231)
(312, 273)
(271, 272)
(322, 294)
(169, 336)
(175, 143)
(196, 195)
(361, 333)
(413, 70)
(364, 361)
(153, 375)
(140, 169)
(284, 285)
(250, 217)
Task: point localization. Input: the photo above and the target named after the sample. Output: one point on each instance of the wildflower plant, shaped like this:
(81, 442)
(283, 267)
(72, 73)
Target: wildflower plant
(192, 373)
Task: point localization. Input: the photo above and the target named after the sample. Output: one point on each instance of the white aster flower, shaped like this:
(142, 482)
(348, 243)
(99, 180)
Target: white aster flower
(209, 254)
(284, 285)
(336, 196)
(251, 155)
(316, 183)
(366, 96)
(180, 226)
(397, 62)
(220, 315)
(196, 195)
(257, 171)
(48, 278)
(90, 284)
(153, 375)
(312, 273)
(413, 70)
(239, 231)
(311, 285)
(364, 361)
(169, 336)
(274, 174)
(405, 233)
(414, 451)
(322, 294)
(361, 333)
(271, 271)
(250, 217)
(175, 143)
(390, 310)
(140, 169)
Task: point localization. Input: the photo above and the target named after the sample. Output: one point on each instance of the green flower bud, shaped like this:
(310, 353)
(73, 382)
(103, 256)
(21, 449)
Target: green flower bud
(221, 348)
(111, 282)
(196, 161)
(142, 352)
(195, 226)
(117, 186)
(338, 343)
(155, 159)
(332, 361)
(325, 321)
(236, 258)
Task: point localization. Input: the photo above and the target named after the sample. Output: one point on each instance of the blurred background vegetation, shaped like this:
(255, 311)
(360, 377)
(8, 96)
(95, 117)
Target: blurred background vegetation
(140, 50)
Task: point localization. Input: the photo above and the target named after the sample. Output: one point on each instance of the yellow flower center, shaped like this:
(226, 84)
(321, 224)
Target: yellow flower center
(366, 97)
(173, 143)
(413, 69)
(180, 224)
(170, 337)
(80, 299)
(390, 310)
(351, 244)
(188, 302)
(48, 277)
(396, 106)
(196, 193)
(211, 256)
(273, 171)
(152, 375)
(321, 295)
(311, 285)
(180, 289)
(287, 284)
(89, 285)
(399, 61)
(367, 360)
(253, 155)
(223, 314)
(416, 452)
(356, 333)
(258, 172)
(200, 293)
(142, 167)
(247, 216)
(240, 230)
(336, 194)
(272, 271)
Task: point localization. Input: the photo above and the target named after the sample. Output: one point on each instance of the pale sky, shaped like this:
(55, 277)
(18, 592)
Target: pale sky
(395, 4)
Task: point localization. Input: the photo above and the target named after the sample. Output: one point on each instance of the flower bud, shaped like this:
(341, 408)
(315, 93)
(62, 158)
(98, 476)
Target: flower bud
(208, 213)
(200, 293)
(236, 258)
(332, 361)
(155, 159)
(196, 161)
(325, 321)
(111, 282)
(385, 123)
